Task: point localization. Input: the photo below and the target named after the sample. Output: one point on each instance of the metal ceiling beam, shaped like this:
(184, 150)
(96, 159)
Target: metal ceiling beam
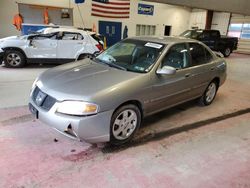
(233, 6)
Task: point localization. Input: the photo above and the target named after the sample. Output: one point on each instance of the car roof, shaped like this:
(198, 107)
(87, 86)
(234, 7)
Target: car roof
(66, 29)
(164, 39)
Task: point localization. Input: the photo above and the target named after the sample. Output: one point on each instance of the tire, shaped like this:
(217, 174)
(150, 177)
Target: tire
(123, 129)
(209, 94)
(14, 59)
(84, 56)
(226, 52)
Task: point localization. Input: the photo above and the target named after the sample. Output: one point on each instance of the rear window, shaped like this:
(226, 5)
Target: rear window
(97, 38)
(197, 53)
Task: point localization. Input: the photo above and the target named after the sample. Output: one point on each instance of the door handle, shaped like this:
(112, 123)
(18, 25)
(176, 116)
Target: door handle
(187, 75)
(79, 43)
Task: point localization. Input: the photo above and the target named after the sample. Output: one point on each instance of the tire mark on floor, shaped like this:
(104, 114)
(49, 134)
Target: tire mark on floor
(19, 119)
(154, 136)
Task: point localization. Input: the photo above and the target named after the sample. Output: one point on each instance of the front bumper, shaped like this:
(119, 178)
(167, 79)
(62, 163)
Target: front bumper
(92, 129)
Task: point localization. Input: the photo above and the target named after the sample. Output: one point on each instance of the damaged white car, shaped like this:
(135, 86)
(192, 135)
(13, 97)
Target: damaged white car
(60, 46)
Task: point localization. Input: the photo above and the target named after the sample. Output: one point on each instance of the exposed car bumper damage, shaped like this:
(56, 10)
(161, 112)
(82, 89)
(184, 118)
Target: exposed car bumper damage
(92, 129)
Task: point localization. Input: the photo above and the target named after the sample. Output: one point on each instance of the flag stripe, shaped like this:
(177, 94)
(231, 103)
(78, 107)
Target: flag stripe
(108, 16)
(109, 7)
(116, 3)
(109, 12)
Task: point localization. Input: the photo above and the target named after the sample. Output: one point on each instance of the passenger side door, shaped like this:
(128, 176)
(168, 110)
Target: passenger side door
(70, 45)
(201, 68)
(169, 90)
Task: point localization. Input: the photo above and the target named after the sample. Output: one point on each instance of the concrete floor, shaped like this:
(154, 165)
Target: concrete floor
(186, 146)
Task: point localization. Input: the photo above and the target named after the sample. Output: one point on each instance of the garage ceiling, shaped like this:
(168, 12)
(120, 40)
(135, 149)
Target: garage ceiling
(234, 6)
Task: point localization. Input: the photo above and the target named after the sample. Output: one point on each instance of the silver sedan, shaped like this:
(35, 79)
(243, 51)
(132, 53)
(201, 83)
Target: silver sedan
(104, 99)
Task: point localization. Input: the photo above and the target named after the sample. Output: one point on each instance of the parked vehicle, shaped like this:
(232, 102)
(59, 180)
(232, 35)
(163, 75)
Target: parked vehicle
(98, 37)
(1, 56)
(104, 99)
(214, 40)
(60, 45)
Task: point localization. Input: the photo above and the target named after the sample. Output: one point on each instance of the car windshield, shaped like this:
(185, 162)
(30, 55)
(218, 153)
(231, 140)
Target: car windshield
(193, 34)
(132, 55)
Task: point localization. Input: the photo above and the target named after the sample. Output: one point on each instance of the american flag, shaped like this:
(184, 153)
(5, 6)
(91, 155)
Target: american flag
(110, 8)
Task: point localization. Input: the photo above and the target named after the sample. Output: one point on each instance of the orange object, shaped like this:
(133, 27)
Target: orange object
(46, 16)
(17, 21)
(94, 28)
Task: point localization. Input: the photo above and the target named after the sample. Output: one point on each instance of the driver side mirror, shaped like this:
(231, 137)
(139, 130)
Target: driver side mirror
(166, 70)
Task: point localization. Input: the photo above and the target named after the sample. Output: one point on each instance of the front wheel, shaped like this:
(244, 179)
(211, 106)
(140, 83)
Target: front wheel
(209, 95)
(14, 59)
(124, 124)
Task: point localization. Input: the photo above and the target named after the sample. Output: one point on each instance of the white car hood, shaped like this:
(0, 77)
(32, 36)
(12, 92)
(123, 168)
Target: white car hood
(11, 41)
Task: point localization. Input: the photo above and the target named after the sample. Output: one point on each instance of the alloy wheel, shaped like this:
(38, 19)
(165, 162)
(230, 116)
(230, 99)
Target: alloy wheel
(13, 59)
(211, 92)
(124, 124)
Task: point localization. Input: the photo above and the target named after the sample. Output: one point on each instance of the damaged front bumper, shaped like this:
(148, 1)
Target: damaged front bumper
(92, 129)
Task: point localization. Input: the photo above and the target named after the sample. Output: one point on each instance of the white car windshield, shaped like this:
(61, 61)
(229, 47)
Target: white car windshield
(132, 55)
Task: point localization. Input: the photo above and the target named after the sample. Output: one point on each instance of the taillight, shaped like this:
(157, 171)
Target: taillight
(99, 46)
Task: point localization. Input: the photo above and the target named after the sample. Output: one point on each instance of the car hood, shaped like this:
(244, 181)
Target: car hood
(82, 80)
(13, 38)
(16, 41)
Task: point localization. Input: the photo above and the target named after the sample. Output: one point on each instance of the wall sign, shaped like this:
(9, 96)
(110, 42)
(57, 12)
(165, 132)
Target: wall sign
(79, 1)
(145, 9)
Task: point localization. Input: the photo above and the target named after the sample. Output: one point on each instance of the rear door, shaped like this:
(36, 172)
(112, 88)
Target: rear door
(70, 44)
(202, 68)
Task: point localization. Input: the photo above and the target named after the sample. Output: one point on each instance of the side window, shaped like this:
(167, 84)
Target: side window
(197, 53)
(45, 36)
(177, 57)
(204, 35)
(72, 36)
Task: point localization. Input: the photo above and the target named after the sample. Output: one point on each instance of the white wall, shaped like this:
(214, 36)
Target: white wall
(198, 18)
(220, 22)
(234, 6)
(177, 17)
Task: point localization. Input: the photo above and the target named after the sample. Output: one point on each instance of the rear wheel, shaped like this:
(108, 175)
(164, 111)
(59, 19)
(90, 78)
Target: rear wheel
(124, 124)
(14, 59)
(209, 95)
(227, 52)
(84, 56)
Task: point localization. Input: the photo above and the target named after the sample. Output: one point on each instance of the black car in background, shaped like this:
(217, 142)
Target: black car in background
(214, 40)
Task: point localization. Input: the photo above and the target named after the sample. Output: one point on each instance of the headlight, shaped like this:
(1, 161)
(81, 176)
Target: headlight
(77, 108)
(34, 83)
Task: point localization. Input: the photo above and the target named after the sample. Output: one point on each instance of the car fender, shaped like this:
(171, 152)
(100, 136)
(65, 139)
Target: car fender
(86, 49)
(14, 44)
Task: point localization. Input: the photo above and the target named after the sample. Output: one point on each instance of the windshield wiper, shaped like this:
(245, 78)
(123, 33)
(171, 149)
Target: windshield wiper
(110, 64)
(115, 65)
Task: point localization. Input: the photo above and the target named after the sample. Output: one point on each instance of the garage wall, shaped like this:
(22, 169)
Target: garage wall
(234, 6)
(220, 22)
(177, 17)
(8, 8)
(198, 19)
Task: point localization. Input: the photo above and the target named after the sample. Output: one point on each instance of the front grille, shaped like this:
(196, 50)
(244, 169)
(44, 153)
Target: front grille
(47, 101)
